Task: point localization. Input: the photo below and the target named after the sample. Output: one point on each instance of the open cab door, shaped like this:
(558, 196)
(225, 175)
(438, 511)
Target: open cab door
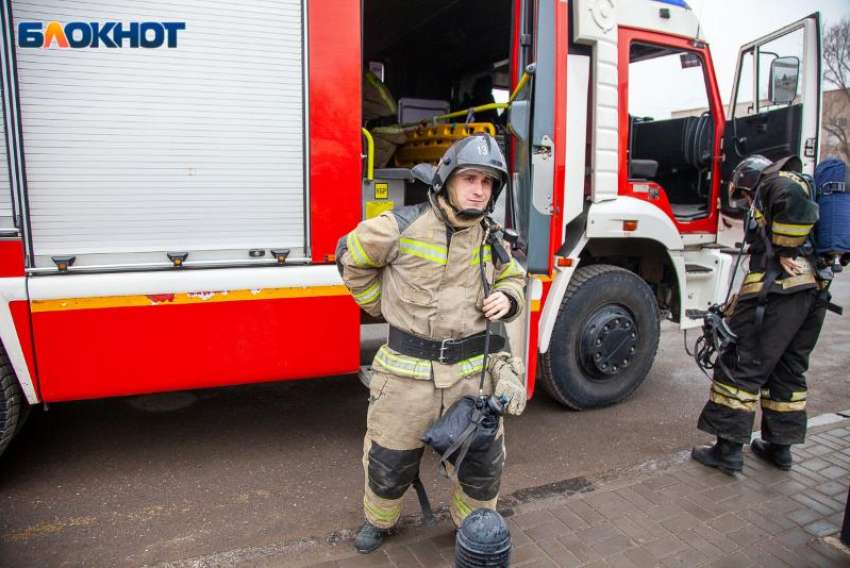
(774, 110)
(533, 125)
(539, 62)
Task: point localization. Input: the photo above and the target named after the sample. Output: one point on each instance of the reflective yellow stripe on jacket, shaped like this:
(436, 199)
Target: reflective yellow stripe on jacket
(434, 253)
(369, 295)
(476, 258)
(789, 234)
(511, 269)
(360, 257)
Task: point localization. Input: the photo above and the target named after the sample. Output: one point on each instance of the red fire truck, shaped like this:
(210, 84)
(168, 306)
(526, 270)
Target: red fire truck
(169, 210)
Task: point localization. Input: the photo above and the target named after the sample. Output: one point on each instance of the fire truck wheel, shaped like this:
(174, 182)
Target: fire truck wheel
(13, 407)
(604, 339)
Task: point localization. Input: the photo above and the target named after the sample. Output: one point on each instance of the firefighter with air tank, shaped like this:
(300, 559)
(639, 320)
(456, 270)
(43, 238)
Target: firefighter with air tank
(776, 319)
(420, 268)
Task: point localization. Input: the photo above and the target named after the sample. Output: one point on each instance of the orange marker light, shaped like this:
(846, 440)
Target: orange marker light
(563, 261)
(630, 225)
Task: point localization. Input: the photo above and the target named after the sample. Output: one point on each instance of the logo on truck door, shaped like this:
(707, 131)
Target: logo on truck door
(79, 35)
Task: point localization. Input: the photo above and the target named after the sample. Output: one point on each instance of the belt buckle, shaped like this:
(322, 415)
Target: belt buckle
(833, 187)
(444, 345)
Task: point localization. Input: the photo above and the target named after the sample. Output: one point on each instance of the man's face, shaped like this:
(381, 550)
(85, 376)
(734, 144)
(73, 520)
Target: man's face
(472, 189)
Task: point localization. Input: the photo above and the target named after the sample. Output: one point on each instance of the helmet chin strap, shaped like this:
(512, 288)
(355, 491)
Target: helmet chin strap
(469, 213)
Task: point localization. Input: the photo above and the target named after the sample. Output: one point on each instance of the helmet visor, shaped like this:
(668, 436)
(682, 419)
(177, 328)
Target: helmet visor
(488, 171)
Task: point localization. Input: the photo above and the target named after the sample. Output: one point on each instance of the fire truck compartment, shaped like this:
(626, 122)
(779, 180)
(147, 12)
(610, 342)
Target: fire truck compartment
(433, 52)
(132, 154)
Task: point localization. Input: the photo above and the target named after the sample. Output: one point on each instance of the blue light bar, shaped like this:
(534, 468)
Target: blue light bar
(679, 3)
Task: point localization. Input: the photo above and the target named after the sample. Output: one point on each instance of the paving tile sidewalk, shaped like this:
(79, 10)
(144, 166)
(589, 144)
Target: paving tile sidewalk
(682, 515)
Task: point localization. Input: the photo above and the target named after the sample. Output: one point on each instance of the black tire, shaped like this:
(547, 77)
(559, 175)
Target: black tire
(13, 407)
(604, 340)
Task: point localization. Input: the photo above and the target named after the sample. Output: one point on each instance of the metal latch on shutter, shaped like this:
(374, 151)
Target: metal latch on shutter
(177, 258)
(280, 255)
(63, 262)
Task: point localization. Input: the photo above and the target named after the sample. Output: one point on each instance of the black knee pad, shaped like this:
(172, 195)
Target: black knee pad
(392, 471)
(480, 473)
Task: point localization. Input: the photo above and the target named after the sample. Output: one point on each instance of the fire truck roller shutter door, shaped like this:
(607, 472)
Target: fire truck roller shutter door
(198, 148)
(6, 217)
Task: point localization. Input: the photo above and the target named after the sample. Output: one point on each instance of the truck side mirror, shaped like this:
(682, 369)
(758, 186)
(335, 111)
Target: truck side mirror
(784, 77)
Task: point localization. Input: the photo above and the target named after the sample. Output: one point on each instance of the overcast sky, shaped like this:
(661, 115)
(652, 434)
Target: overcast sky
(729, 24)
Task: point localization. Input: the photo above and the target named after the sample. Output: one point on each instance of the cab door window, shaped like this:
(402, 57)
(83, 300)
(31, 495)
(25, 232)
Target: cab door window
(671, 126)
(779, 65)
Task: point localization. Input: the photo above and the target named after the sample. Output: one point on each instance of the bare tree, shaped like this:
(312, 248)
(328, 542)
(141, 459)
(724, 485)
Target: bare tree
(836, 61)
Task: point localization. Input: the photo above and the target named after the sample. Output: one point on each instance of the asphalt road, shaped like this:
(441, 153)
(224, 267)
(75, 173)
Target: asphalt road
(145, 480)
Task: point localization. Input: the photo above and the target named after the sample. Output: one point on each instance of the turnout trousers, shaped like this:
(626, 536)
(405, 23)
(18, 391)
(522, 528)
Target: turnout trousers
(401, 410)
(792, 323)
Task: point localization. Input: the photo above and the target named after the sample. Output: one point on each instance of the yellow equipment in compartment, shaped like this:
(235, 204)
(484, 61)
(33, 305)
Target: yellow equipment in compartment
(429, 143)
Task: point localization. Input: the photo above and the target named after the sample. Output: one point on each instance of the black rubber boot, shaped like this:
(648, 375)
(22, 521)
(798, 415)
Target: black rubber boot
(777, 454)
(724, 455)
(369, 538)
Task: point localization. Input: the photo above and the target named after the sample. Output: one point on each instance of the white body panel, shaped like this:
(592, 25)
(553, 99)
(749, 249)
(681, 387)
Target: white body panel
(578, 77)
(605, 221)
(596, 25)
(210, 281)
(14, 289)
(134, 152)
(647, 16)
(549, 311)
(730, 232)
(691, 239)
(703, 289)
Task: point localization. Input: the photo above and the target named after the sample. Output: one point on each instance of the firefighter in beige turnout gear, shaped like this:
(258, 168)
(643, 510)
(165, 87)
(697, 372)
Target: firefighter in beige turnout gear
(419, 268)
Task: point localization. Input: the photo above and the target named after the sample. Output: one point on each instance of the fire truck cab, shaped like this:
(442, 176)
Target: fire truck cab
(169, 214)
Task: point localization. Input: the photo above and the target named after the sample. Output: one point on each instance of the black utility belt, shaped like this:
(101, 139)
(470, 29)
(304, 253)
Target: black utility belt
(447, 351)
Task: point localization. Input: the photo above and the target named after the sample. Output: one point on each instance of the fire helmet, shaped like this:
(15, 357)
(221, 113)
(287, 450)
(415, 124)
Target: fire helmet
(479, 152)
(746, 176)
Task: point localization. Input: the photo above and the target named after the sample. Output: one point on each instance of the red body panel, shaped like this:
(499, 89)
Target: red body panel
(335, 143)
(11, 258)
(12, 266)
(627, 35)
(556, 238)
(103, 352)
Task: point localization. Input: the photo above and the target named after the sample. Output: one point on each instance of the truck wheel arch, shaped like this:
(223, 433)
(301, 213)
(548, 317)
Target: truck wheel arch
(14, 408)
(665, 274)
